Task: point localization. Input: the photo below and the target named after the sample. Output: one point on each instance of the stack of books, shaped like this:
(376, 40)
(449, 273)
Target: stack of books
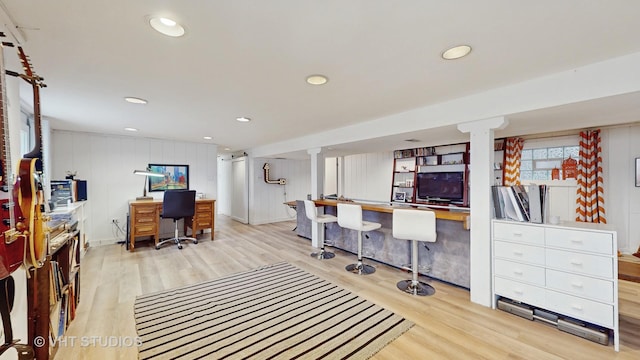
(521, 203)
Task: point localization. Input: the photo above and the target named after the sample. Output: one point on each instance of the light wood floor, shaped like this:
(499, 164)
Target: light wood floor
(448, 325)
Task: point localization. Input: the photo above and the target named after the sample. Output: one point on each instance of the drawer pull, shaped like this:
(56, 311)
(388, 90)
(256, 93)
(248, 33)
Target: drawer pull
(576, 262)
(517, 272)
(517, 252)
(576, 285)
(576, 307)
(517, 233)
(518, 291)
(576, 241)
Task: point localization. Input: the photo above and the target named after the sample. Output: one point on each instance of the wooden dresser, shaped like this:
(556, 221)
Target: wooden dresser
(144, 219)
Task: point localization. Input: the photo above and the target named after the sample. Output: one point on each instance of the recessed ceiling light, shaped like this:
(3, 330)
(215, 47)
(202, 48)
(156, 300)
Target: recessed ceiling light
(227, 149)
(135, 100)
(130, 129)
(243, 119)
(207, 138)
(166, 26)
(456, 52)
(317, 79)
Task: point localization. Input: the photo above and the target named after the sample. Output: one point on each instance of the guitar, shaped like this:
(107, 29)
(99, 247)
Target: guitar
(12, 242)
(30, 188)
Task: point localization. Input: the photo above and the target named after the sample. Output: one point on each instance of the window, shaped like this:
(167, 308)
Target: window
(537, 163)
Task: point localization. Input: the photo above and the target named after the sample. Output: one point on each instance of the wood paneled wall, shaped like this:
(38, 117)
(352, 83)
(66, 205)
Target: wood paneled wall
(107, 163)
(266, 201)
(368, 176)
(622, 197)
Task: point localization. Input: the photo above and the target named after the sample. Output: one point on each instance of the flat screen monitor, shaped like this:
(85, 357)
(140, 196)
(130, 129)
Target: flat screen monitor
(441, 186)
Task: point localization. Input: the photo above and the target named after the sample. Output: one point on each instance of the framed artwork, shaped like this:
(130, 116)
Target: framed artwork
(175, 177)
(400, 196)
(638, 172)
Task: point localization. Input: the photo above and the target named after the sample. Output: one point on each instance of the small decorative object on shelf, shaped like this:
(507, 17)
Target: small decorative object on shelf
(400, 196)
(569, 168)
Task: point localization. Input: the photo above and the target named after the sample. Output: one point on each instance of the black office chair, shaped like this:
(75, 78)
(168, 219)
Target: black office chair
(178, 204)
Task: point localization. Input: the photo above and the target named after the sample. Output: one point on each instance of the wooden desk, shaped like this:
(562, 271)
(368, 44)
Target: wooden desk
(144, 219)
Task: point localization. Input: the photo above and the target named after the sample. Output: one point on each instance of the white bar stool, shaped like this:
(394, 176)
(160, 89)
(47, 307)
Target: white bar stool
(350, 217)
(414, 225)
(312, 213)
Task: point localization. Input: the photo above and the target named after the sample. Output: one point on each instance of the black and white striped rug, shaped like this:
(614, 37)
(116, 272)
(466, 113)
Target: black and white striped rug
(273, 312)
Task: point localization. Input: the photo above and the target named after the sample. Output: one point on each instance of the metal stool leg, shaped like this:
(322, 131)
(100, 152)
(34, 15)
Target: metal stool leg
(360, 268)
(413, 286)
(322, 254)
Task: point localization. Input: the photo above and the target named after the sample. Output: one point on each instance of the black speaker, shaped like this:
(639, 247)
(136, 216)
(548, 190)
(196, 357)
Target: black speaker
(81, 190)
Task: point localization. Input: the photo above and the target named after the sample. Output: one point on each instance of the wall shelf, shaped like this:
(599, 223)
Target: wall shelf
(408, 163)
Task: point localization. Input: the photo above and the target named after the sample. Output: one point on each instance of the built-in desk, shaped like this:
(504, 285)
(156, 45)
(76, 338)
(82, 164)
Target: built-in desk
(144, 219)
(462, 216)
(448, 257)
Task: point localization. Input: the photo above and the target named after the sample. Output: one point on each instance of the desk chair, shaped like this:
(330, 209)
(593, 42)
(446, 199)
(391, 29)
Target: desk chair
(414, 225)
(312, 213)
(178, 204)
(350, 217)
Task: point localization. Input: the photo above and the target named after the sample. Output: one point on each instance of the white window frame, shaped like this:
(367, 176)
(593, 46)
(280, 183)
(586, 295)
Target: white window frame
(570, 140)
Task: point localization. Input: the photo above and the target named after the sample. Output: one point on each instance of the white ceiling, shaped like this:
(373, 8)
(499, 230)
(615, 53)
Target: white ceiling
(250, 58)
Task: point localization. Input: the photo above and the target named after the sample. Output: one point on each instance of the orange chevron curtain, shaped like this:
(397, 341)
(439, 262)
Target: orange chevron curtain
(590, 193)
(513, 152)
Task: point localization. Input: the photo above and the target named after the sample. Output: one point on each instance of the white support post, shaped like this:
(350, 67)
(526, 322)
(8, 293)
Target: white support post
(481, 176)
(317, 186)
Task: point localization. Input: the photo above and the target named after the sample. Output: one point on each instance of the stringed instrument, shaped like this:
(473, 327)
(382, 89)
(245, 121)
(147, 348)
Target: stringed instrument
(12, 242)
(30, 172)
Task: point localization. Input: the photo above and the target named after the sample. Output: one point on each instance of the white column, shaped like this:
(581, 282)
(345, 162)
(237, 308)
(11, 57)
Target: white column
(317, 186)
(340, 176)
(481, 179)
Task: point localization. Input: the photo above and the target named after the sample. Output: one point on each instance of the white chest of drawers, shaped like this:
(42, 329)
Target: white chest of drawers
(570, 269)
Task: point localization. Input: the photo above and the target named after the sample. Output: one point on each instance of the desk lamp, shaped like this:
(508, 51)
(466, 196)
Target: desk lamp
(146, 174)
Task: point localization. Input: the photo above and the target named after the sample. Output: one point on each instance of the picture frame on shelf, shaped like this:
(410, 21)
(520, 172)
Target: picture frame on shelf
(400, 196)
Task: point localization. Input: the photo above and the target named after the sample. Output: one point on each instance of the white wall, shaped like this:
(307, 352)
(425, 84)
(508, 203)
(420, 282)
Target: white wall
(107, 163)
(266, 202)
(368, 176)
(330, 176)
(622, 198)
(239, 190)
(225, 181)
(620, 147)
